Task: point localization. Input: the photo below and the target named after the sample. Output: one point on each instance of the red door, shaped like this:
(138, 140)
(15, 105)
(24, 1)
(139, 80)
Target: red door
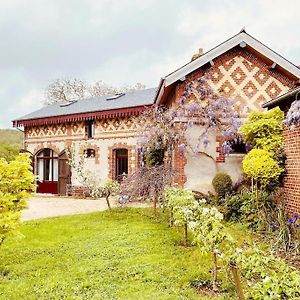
(47, 171)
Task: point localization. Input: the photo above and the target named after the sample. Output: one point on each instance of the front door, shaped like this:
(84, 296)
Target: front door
(47, 171)
(64, 174)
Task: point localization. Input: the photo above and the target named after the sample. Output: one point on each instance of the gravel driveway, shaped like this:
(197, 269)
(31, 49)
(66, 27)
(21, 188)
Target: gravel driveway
(42, 206)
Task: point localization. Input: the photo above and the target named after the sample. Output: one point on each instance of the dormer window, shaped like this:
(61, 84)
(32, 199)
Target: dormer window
(90, 129)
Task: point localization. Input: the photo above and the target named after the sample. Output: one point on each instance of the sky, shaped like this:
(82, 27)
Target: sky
(122, 42)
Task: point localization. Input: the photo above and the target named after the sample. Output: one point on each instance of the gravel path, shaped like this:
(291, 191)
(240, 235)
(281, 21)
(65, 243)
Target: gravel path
(40, 206)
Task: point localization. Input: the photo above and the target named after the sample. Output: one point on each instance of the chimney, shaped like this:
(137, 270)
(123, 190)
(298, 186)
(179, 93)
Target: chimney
(198, 54)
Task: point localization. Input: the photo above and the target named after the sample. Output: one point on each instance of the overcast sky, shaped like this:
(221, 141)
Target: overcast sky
(123, 41)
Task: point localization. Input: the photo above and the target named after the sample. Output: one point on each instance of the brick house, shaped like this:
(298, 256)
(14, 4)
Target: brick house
(292, 151)
(106, 128)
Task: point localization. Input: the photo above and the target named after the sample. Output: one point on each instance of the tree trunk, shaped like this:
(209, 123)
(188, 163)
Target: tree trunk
(237, 281)
(185, 234)
(107, 201)
(171, 221)
(215, 271)
(154, 207)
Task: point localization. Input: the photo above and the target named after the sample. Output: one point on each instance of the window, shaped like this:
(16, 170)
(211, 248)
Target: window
(89, 153)
(89, 129)
(47, 165)
(237, 146)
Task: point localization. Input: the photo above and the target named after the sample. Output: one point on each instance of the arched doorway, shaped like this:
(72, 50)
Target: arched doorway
(64, 174)
(47, 171)
(121, 163)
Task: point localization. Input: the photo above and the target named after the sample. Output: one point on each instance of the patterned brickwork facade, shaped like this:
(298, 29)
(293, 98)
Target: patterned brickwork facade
(109, 135)
(292, 177)
(243, 77)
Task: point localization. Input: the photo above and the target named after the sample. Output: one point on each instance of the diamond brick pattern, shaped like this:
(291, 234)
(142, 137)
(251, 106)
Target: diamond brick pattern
(250, 89)
(247, 80)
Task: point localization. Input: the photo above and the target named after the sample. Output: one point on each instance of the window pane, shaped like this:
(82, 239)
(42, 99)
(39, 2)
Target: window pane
(40, 170)
(47, 169)
(55, 170)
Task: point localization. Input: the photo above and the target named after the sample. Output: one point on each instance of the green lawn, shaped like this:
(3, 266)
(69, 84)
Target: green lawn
(125, 255)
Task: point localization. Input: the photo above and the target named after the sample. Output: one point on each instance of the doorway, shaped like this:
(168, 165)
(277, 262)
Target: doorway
(64, 174)
(121, 161)
(47, 171)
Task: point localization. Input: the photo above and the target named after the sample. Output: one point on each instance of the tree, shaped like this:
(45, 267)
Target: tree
(263, 130)
(261, 167)
(70, 89)
(180, 202)
(9, 152)
(210, 235)
(163, 129)
(16, 182)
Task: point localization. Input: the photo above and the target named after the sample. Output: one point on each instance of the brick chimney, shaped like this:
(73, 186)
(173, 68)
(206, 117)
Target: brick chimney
(198, 54)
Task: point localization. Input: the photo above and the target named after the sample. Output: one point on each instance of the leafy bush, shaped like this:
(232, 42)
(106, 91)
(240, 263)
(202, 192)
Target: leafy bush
(222, 184)
(109, 188)
(181, 202)
(9, 152)
(266, 276)
(155, 157)
(16, 180)
(253, 208)
(263, 130)
(210, 234)
(259, 165)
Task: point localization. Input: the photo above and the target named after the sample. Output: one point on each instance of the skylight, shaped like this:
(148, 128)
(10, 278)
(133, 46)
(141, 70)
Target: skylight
(67, 103)
(116, 96)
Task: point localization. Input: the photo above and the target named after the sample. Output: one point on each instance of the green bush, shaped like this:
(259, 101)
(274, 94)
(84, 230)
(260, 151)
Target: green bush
(222, 184)
(253, 208)
(259, 165)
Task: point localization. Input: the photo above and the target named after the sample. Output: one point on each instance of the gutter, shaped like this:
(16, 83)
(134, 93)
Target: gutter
(281, 98)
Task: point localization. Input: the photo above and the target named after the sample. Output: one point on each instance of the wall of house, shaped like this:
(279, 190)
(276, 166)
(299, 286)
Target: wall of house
(109, 134)
(292, 177)
(202, 161)
(249, 81)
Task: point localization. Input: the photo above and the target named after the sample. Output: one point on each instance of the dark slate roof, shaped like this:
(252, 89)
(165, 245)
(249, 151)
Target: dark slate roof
(95, 104)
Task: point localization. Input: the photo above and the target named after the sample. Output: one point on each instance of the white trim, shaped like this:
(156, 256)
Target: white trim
(238, 39)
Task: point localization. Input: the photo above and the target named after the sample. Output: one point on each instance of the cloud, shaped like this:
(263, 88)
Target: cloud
(123, 42)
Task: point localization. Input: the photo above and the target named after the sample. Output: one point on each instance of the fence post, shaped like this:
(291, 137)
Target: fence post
(237, 280)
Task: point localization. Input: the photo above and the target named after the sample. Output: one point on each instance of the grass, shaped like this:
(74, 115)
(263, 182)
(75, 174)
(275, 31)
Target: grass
(123, 255)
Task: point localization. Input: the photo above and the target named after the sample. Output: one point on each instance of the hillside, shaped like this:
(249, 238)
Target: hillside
(11, 142)
(11, 137)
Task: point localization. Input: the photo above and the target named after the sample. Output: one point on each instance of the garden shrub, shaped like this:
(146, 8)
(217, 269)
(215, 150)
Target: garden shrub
(222, 184)
(260, 166)
(254, 208)
(16, 181)
(180, 202)
(266, 276)
(263, 130)
(155, 157)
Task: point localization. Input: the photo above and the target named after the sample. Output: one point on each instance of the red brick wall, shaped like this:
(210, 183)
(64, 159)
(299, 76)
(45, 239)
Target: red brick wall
(292, 177)
(244, 77)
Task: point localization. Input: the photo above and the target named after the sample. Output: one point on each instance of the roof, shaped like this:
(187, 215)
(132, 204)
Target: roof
(108, 103)
(241, 39)
(292, 93)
